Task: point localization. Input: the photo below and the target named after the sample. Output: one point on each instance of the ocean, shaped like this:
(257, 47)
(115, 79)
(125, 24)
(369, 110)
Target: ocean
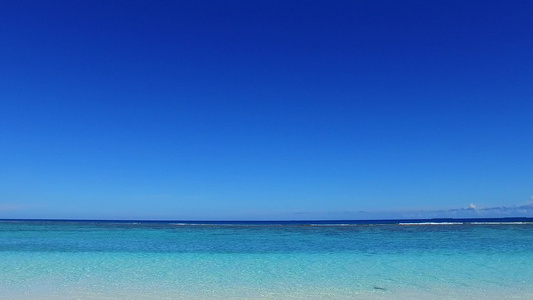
(381, 259)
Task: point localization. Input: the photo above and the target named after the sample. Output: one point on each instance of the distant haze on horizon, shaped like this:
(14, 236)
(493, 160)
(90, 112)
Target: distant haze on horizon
(266, 109)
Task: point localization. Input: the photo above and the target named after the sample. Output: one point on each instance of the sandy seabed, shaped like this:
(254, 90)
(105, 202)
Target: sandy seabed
(80, 293)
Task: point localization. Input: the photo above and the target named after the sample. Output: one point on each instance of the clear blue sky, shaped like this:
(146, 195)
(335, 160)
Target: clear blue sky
(263, 109)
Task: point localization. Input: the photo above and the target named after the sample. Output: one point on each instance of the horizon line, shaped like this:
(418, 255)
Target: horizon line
(529, 219)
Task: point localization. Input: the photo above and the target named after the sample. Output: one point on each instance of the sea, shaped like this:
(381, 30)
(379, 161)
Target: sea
(378, 259)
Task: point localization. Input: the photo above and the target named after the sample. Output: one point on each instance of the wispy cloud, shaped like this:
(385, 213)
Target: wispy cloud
(470, 211)
(475, 211)
(9, 207)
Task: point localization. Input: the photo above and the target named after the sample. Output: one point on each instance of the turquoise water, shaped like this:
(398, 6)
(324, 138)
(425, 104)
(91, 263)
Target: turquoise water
(100, 260)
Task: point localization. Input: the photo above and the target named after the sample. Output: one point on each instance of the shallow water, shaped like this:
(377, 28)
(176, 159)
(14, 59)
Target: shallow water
(102, 260)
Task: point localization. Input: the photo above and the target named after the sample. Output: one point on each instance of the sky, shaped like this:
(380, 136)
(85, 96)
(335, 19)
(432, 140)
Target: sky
(265, 109)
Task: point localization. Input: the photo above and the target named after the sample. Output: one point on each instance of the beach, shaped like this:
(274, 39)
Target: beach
(105, 260)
